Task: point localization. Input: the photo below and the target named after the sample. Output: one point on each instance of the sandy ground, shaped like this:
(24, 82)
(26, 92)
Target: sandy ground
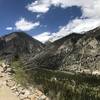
(5, 92)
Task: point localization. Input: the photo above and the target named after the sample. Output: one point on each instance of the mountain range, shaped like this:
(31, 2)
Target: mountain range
(75, 52)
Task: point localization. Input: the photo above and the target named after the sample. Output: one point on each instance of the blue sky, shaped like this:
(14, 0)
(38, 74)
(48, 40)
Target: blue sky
(48, 19)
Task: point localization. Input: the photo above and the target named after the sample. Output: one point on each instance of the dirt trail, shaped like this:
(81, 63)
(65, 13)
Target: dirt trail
(5, 92)
(10, 90)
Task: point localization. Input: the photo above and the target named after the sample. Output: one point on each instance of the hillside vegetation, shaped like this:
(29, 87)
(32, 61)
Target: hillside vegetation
(59, 85)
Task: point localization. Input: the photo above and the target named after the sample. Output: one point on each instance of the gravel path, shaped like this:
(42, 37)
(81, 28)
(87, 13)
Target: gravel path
(5, 92)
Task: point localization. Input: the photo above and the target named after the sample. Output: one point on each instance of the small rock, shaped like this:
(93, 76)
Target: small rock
(20, 89)
(33, 97)
(9, 70)
(39, 93)
(26, 92)
(14, 88)
(3, 65)
(16, 93)
(43, 97)
(4, 69)
(22, 97)
(10, 83)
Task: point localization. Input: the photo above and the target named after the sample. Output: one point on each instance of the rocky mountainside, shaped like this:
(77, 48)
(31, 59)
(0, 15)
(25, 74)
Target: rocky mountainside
(75, 52)
(19, 43)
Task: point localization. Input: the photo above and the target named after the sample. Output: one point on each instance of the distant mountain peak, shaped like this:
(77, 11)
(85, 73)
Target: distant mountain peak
(19, 43)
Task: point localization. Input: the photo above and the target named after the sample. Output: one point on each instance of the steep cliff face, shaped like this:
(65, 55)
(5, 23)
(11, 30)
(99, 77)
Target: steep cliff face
(19, 43)
(75, 52)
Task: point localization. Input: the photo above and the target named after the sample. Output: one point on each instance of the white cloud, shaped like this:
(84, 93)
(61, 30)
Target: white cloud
(76, 26)
(25, 25)
(80, 25)
(90, 10)
(88, 6)
(9, 28)
(40, 6)
(43, 37)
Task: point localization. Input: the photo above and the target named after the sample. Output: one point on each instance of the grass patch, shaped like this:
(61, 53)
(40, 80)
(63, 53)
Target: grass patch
(20, 75)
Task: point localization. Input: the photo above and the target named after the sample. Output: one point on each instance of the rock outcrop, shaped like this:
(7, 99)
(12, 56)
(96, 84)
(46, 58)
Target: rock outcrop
(76, 52)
